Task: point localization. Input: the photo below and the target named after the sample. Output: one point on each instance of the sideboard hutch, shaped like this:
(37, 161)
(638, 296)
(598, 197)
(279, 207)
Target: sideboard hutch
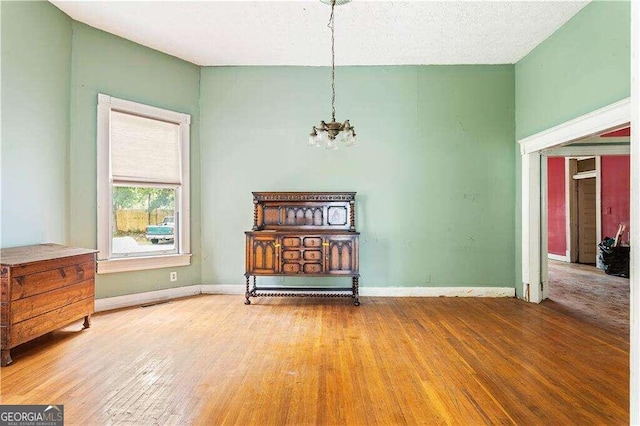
(303, 234)
(44, 287)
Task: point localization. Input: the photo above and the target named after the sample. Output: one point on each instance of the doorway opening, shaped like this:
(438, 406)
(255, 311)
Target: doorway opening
(587, 199)
(568, 139)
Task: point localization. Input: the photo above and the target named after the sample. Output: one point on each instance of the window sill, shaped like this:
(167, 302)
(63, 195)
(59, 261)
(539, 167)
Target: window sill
(142, 263)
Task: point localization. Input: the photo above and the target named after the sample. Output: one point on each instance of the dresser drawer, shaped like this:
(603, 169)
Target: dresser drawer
(29, 307)
(45, 323)
(42, 282)
(48, 265)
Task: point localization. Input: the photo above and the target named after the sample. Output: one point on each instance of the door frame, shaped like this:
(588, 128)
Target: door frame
(548, 143)
(571, 204)
(580, 208)
(634, 353)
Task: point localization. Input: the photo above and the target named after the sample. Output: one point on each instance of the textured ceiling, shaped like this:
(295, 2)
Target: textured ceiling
(295, 32)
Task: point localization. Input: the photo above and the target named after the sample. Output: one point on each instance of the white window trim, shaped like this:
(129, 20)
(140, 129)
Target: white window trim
(107, 103)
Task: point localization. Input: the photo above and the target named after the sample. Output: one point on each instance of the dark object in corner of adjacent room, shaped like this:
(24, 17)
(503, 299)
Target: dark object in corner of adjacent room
(614, 260)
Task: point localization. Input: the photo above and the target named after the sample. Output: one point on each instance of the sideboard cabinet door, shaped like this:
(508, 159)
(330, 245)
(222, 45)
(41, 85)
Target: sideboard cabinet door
(263, 253)
(342, 254)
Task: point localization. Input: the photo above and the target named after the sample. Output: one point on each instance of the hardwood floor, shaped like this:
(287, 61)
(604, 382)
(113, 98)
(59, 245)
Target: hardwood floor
(212, 360)
(588, 294)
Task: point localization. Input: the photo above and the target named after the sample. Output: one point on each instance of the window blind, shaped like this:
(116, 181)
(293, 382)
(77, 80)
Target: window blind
(144, 149)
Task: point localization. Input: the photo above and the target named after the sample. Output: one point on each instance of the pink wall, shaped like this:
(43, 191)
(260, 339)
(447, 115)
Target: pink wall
(615, 199)
(556, 226)
(615, 195)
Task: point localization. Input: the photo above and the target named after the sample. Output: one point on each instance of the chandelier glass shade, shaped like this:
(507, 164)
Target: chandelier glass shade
(333, 134)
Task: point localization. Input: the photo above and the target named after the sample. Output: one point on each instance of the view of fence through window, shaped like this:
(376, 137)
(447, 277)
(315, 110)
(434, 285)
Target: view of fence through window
(143, 220)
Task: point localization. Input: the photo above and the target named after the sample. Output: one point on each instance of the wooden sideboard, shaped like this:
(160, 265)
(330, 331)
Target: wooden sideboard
(44, 287)
(302, 234)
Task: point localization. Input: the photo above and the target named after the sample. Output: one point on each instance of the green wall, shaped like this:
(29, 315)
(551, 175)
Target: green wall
(434, 170)
(103, 63)
(583, 66)
(36, 63)
(438, 205)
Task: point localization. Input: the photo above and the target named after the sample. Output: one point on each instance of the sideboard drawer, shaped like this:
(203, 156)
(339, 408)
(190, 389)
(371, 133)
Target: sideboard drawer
(312, 268)
(291, 268)
(312, 242)
(291, 255)
(291, 242)
(312, 255)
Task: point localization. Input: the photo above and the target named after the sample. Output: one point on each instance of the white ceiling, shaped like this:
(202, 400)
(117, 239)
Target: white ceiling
(295, 32)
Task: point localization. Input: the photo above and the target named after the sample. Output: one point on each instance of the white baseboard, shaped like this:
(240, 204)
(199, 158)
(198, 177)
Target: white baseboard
(438, 291)
(394, 291)
(223, 289)
(558, 257)
(137, 299)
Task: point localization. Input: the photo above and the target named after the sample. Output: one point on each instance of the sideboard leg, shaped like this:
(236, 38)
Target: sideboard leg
(246, 294)
(6, 357)
(356, 285)
(87, 322)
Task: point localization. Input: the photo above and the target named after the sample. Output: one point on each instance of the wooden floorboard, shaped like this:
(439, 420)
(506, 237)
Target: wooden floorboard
(588, 294)
(212, 360)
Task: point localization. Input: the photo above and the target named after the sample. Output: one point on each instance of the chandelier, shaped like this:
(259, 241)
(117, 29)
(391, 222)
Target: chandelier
(333, 133)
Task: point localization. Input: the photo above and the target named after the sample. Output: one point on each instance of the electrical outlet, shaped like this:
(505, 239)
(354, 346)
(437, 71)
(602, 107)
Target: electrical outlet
(428, 279)
(173, 276)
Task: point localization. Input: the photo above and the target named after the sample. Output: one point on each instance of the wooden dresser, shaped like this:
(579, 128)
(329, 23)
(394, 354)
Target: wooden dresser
(302, 234)
(44, 287)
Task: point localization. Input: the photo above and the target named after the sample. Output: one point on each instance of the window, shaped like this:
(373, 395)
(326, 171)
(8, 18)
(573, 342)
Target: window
(143, 186)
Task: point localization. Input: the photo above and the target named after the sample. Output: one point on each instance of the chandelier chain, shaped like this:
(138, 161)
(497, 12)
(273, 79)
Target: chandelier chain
(332, 134)
(333, 62)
